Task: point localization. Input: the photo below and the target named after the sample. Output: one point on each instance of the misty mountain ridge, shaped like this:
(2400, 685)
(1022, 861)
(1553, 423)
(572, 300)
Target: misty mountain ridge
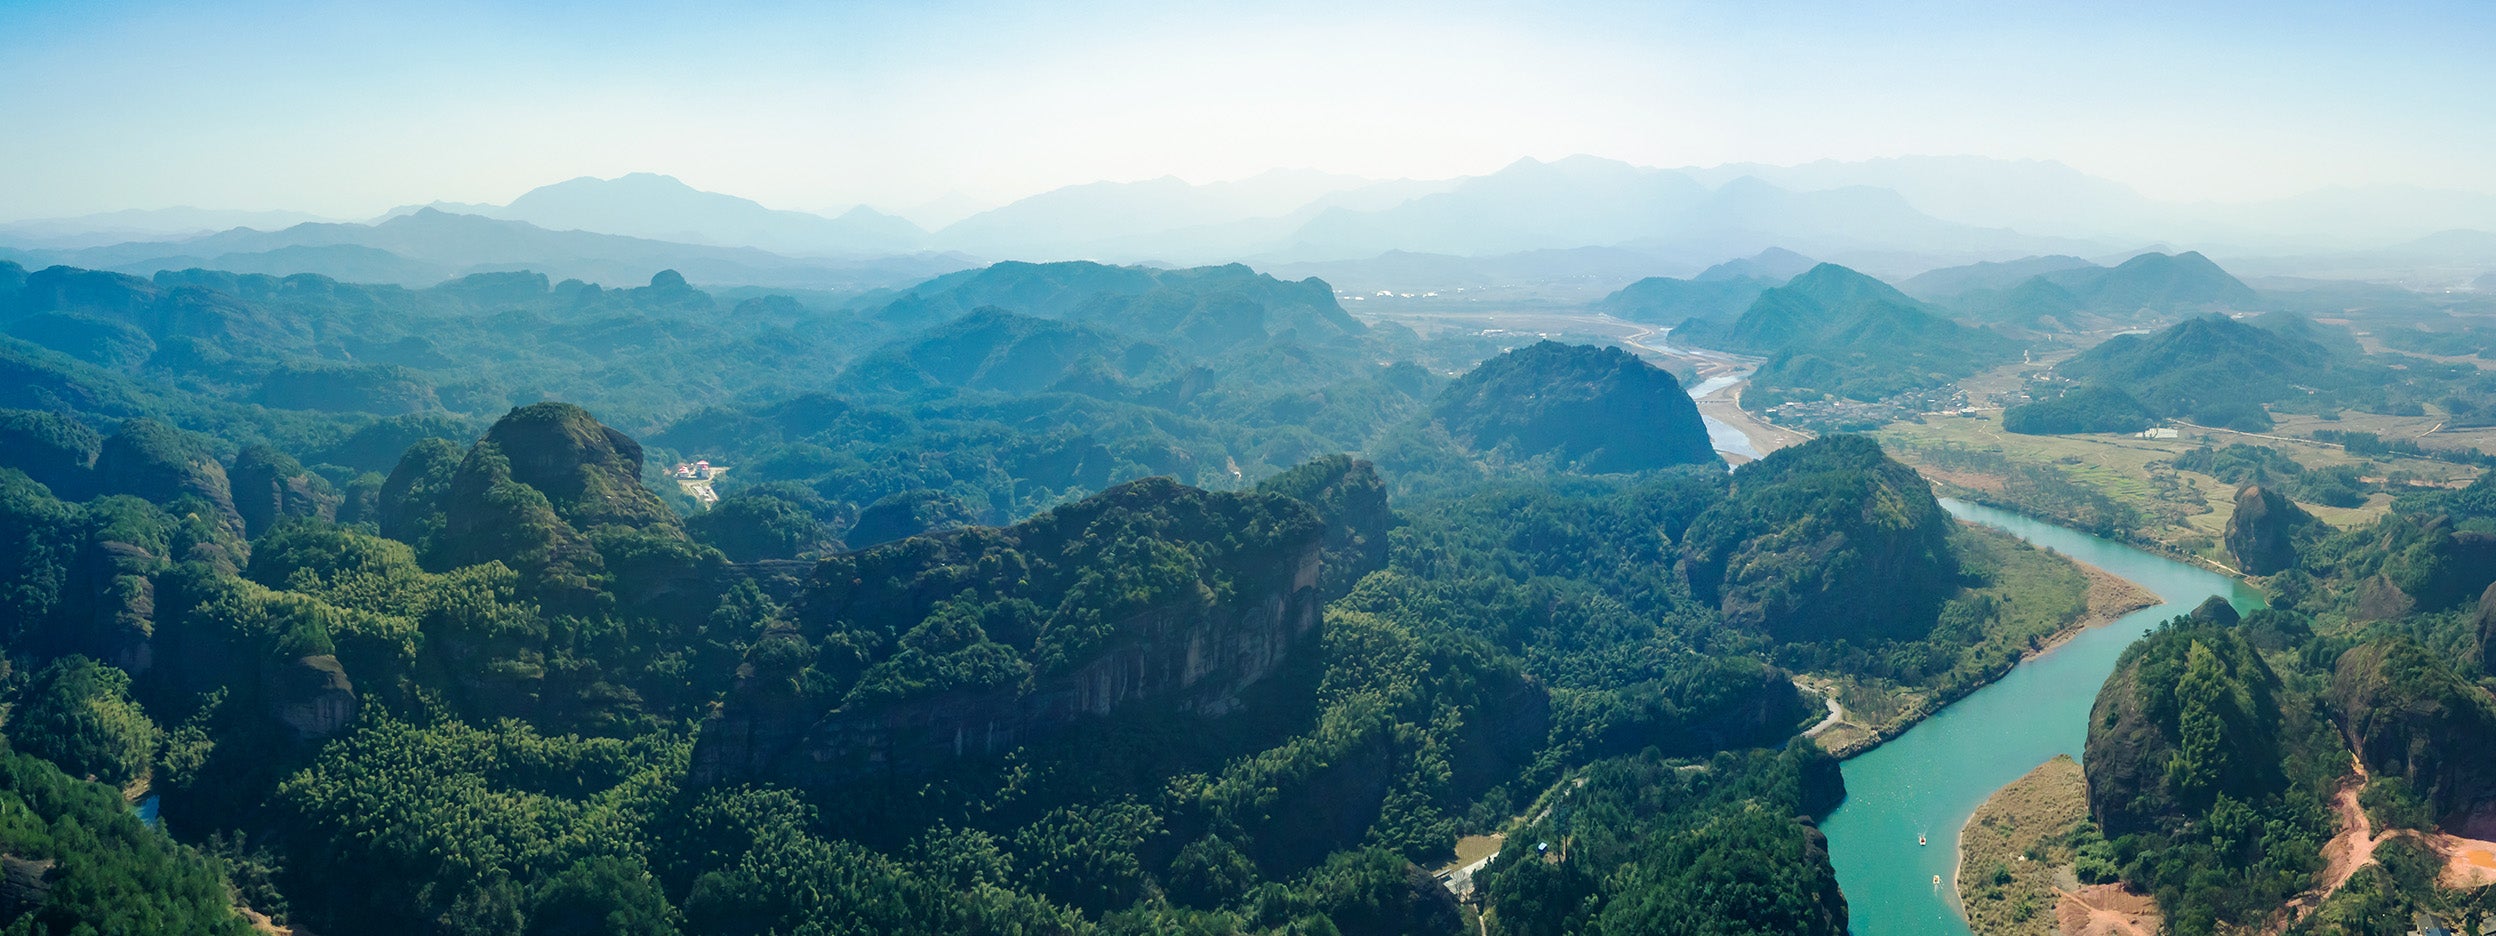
(429, 246)
(660, 207)
(1894, 217)
(1718, 293)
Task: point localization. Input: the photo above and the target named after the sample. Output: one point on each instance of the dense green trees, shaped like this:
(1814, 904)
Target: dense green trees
(443, 672)
(77, 713)
(1822, 541)
(98, 868)
(2210, 775)
(2086, 408)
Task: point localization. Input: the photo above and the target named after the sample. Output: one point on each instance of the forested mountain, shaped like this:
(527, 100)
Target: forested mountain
(1952, 282)
(2214, 370)
(2220, 752)
(1596, 410)
(318, 562)
(2065, 293)
(428, 246)
(1833, 331)
(659, 207)
(530, 584)
(1719, 292)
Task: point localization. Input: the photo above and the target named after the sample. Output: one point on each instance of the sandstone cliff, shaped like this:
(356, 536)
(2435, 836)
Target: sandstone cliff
(2266, 529)
(968, 643)
(2408, 715)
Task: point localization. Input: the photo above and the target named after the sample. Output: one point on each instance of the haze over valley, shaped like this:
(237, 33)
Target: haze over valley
(1116, 468)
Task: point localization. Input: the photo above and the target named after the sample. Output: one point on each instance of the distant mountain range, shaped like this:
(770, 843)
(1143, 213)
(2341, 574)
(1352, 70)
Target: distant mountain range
(659, 207)
(1581, 225)
(1835, 331)
(429, 246)
(2049, 291)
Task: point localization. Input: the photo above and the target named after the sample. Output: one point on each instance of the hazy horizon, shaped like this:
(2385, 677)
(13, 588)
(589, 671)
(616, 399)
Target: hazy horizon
(817, 110)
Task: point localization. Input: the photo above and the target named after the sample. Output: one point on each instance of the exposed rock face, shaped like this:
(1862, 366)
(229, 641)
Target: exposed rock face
(2190, 713)
(1592, 409)
(270, 487)
(1195, 644)
(23, 889)
(590, 473)
(2483, 651)
(2217, 610)
(541, 492)
(2264, 531)
(2408, 715)
(311, 695)
(1351, 498)
(1829, 539)
(907, 514)
(158, 463)
(119, 602)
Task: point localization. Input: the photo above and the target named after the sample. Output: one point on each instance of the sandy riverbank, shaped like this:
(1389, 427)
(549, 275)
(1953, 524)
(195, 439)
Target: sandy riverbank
(2015, 873)
(2004, 888)
(1845, 734)
(2110, 598)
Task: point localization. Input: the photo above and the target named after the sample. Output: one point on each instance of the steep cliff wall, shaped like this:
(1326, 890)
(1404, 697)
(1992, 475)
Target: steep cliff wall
(968, 643)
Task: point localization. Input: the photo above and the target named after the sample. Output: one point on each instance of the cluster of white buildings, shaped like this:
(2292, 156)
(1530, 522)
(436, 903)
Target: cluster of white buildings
(693, 471)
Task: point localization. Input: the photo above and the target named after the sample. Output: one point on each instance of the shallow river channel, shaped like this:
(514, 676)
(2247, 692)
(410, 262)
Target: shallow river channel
(1930, 779)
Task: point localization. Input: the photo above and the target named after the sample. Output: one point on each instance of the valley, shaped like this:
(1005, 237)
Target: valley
(1576, 469)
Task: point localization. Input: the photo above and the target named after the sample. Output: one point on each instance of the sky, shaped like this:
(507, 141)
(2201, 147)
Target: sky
(348, 109)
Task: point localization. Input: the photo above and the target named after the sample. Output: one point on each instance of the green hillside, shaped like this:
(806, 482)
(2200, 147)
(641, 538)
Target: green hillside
(1835, 332)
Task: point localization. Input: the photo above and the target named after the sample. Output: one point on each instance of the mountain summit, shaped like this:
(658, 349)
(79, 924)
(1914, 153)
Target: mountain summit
(661, 207)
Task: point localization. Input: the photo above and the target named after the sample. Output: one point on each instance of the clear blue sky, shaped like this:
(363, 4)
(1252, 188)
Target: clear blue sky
(349, 108)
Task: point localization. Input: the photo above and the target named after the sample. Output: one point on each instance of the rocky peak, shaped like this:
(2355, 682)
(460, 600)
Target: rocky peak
(270, 487)
(589, 472)
(2264, 532)
(160, 464)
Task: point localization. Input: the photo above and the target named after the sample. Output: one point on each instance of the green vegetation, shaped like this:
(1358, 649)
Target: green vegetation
(76, 860)
(1056, 608)
(77, 713)
(2210, 775)
(2013, 845)
(2230, 373)
(1596, 410)
(2087, 408)
(2065, 293)
(1835, 332)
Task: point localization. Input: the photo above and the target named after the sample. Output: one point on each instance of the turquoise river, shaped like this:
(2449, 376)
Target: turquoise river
(1930, 779)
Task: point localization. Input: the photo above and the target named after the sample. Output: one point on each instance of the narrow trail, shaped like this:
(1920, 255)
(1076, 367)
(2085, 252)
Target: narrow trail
(2351, 849)
(1837, 716)
(2105, 910)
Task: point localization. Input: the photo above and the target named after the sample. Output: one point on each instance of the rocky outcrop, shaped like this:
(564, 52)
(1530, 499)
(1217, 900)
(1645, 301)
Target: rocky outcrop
(116, 604)
(23, 885)
(1589, 409)
(2483, 649)
(2265, 530)
(1349, 496)
(270, 487)
(160, 464)
(2216, 610)
(1826, 540)
(906, 514)
(311, 695)
(2407, 714)
(549, 491)
(589, 472)
(2190, 713)
(1232, 590)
